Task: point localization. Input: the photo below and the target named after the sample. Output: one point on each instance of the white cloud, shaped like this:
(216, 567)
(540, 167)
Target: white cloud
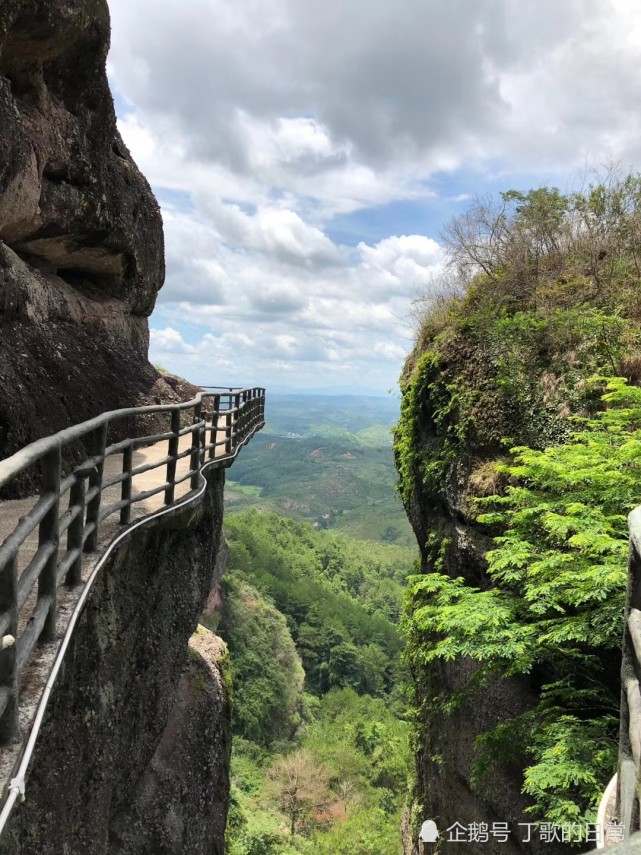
(271, 319)
(277, 232)
(293, 90)
(168, 341)
(270, 118)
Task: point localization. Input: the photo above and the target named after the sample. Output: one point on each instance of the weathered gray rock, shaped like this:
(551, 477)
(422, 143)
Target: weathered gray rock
(446, 747)
(180, 804)
(81, 243)
(134, 750)
(632, 846)
(73, 200)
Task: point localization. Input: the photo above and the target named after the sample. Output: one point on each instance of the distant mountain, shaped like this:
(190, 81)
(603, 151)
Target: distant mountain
(328, 460)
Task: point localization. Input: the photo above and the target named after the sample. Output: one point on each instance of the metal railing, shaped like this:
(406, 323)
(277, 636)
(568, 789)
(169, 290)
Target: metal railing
(220, 422)
(629, 767)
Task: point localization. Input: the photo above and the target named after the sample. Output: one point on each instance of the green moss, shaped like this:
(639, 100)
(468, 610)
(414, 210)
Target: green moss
(224, 667)
(497, 376)
(193, 655)
(199, 683)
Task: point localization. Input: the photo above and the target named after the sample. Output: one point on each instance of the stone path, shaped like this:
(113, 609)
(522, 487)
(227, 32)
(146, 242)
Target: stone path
(36, 673)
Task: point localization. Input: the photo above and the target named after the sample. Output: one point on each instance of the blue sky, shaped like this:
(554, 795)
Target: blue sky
(306, 154)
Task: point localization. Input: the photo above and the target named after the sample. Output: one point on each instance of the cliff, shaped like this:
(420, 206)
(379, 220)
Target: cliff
(440, 478)
(134, 750)
(133, 755)
(180, 803)
(81, 242)
(502, 361)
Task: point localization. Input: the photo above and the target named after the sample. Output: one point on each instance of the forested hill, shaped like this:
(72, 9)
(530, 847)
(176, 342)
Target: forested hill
(327, 460)
(320, 550)
(311, 620)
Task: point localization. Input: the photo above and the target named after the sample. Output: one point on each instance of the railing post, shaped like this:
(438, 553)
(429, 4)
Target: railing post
(9, 724)
(629, 766)
(250, 412)
(125, 493)
(195, 446)
(245, 421)
(202, 439)
(228, 429)
(76, 530)
(98, 444)
(172, 451)
(214, 426)
(236, 421)
(254, 409)
(48, 533)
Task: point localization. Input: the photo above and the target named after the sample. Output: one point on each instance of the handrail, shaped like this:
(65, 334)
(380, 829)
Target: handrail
(235, 415)
(629, 767)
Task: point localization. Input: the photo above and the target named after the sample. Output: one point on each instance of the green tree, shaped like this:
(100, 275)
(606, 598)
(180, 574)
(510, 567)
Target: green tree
(266, 668)
(558, 573)
(339, 598)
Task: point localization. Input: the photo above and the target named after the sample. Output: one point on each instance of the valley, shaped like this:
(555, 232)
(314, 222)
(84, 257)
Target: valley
(320, 551)
(327, 461)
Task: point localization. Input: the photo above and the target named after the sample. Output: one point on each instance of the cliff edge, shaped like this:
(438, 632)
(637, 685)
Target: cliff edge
(133, 753)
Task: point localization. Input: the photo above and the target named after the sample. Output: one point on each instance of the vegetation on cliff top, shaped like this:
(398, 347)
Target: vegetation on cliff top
(547, 295)
(543, 291)
(555, 608)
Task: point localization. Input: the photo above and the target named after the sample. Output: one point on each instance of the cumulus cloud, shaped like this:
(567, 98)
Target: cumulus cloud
(169, 341)
(293, 89)
(340, 323)
(400, 264)
(277, 232)
(272, 118)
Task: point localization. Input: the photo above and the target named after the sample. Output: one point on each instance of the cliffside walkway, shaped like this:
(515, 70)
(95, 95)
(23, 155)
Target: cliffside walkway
(97, 481)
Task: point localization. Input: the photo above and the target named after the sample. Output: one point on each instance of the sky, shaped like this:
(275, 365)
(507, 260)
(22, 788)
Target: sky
(307, 153)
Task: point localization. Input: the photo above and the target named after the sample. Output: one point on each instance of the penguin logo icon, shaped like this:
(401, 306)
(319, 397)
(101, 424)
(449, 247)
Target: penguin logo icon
(429, 832)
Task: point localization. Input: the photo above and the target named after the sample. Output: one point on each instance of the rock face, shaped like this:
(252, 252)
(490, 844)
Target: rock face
(81, 243)
(487, 375)
(447, 740)
(133, 755)
(180, 804)
(632, 846)
(439, 482)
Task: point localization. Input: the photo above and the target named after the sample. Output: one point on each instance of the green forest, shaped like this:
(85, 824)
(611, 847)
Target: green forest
(328, 461)
(321, 758)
